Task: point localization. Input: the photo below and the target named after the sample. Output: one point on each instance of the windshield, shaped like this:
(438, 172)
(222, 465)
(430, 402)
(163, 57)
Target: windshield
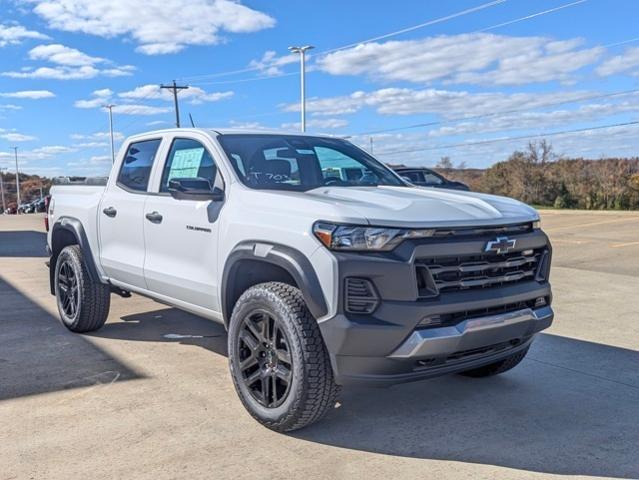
(290, 162)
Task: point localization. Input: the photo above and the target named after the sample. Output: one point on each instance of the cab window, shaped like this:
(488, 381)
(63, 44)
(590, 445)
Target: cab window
(136, 166)
(188, 159)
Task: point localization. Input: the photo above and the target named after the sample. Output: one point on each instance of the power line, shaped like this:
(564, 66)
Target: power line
(502, 112)
(533, 15)
(248, 79)
(387, 35)
(421, 25)
(507, 139)
(329, 51)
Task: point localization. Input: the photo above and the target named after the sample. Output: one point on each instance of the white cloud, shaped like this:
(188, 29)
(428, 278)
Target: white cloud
(63, 55)
(14, 34)
(91, 144)
(30, 94)
(629, 60)
(104, 96)
(270, 63)
(104, 92)
(96, 136)
(248, 125)
(10, 106)
(477, 58)
(17, 137)
(446, 103)
(159, 26)
(53, 150)
(318, 124)
(620, 141)
(135, 109)
(536, 120)
(69, 64)
(194, 95)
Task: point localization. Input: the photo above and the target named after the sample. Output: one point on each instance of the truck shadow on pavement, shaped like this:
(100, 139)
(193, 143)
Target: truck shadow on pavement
(25, 243)
(39, 355)
(571, 408)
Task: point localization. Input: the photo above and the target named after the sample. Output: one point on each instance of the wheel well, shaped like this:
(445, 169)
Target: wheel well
(60, 238)
(249, 272)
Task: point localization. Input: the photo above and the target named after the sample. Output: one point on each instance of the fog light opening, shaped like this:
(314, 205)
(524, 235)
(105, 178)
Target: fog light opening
(540, 302)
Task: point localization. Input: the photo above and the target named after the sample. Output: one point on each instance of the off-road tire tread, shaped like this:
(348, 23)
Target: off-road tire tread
(95, 297)
(319, 391)
(497, 367)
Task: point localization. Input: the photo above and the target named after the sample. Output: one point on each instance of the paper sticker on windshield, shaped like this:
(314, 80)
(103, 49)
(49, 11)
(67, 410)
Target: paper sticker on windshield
(186, 163)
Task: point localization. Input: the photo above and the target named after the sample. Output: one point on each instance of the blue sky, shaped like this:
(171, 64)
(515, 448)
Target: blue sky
(479, 74)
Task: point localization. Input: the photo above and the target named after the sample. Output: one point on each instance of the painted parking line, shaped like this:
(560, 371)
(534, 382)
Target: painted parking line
(622, 245)
(591, 224)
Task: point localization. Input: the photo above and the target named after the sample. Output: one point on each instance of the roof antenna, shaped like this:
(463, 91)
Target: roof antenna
(192, 122)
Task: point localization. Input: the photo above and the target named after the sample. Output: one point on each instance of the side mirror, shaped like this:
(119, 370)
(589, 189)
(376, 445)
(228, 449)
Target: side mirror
(194, 189)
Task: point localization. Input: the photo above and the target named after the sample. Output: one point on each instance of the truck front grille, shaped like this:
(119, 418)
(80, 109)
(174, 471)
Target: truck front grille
(456, 273)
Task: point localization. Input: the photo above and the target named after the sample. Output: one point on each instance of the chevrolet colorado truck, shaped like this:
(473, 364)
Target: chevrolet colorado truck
(325, 266)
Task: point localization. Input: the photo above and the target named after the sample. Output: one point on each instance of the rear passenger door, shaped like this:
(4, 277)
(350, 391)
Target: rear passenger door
(181, 236)
(121, 215)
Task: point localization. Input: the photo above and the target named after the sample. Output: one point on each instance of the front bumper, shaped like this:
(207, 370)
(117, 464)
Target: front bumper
(393, 345)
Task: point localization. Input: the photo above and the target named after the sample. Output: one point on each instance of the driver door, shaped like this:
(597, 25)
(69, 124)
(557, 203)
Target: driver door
(181, 236)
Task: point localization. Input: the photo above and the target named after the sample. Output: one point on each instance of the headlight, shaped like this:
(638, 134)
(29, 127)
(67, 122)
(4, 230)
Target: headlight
(357, 238)
(536, 225)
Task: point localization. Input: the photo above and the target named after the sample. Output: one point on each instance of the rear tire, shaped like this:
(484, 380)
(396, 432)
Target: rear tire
(497, 367)
(82, 303)
(279, 363)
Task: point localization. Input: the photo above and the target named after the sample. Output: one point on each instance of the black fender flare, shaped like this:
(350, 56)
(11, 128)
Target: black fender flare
(73, 226)
(291, 260)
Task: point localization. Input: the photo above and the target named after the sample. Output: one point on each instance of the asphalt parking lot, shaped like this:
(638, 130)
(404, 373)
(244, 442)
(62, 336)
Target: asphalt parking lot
(149, 395)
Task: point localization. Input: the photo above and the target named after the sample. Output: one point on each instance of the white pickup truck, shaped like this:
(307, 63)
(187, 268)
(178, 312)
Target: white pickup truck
(326, 267)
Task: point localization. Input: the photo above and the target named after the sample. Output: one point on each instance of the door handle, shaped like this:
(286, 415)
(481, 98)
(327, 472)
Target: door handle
(154, 217)
(110, 212)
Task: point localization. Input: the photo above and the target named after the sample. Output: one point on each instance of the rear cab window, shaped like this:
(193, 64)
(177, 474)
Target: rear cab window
(137, 164)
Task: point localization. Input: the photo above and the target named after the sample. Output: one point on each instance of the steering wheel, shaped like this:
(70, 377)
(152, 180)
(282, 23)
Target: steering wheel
(335, 181)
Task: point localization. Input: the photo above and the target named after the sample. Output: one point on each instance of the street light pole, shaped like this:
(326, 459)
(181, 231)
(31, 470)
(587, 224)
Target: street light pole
(15, 151)
(302, 51)
(4, 207)
(110, 108)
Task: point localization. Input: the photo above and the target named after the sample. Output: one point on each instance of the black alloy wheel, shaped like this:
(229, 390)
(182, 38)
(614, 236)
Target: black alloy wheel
(265, 359)
(69, 290)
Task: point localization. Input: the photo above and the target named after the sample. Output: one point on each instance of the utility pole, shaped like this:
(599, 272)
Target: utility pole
(302, 51)
(15, 151)
(371, 141)
(4, 207)
(175, 89)
(110, 108)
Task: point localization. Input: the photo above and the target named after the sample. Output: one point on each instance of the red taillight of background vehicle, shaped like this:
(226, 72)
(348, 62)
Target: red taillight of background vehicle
(47, 199)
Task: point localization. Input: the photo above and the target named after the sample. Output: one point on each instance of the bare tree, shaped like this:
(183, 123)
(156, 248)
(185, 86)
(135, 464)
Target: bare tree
(444, 163)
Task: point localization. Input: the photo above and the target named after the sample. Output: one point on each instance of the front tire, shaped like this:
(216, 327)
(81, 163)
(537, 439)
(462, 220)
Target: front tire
(82, 303)
(496, 368)
(279, 363)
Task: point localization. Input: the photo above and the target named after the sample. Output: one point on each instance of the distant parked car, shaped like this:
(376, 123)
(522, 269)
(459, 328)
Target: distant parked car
(425, 177)
(40, 205)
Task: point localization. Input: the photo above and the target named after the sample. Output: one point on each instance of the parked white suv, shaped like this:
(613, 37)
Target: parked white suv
(326, 267)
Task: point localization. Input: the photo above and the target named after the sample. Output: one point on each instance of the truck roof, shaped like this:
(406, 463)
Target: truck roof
(234, 131)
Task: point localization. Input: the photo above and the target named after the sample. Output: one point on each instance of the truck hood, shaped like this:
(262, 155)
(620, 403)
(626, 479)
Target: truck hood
(426, 207)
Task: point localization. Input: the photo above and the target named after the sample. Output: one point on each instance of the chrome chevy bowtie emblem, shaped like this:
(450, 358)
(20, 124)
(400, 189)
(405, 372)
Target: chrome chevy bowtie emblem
(500, 245)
